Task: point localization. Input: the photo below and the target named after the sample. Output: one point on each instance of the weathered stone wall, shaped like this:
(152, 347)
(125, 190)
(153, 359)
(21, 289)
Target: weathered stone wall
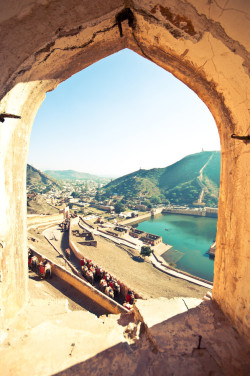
(44, 219)
(203, 43)
(84, 287)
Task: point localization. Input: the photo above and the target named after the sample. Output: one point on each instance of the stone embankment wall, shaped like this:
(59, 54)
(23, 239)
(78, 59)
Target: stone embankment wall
(42, 219)
(196, 212)
(86, 223)
(141, 217)
(72, 245)
(84, 287)
(91, 238)
(180, 272)
(112, 234)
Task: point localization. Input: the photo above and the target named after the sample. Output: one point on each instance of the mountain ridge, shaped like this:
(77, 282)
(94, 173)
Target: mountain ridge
(177, 183)
(74, 175)
(35, 177)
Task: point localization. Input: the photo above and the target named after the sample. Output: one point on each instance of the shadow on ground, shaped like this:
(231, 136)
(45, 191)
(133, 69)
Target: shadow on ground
(138, 258)
(171, 348)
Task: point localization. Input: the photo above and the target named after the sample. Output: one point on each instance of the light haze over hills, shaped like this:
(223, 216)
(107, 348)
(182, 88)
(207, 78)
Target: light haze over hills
(75, 175)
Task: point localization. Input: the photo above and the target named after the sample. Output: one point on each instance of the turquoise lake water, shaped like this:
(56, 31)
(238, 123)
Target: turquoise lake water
(190, 237)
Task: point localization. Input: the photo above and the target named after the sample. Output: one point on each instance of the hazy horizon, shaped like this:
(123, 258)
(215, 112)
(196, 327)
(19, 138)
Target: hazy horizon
(120, 114)
(118, 176)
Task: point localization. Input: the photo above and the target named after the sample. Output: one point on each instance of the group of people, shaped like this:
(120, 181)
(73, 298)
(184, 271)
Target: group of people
(42, 268)
(94, 273)
(65, 225)
(108, 284)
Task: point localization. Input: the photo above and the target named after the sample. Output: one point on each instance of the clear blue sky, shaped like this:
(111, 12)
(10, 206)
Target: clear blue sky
(118, 115)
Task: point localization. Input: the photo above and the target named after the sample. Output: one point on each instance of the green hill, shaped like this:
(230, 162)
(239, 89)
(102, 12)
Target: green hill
(74, 175)
(36, 178)
(181, 183)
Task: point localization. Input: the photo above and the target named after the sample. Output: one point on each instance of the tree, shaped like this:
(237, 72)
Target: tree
(119, 207)
(98, 196)
(147, 203)
(146, 251)
(156, 199)
(75, 194)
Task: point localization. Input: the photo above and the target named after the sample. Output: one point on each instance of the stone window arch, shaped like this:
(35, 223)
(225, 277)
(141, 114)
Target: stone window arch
(202, 44)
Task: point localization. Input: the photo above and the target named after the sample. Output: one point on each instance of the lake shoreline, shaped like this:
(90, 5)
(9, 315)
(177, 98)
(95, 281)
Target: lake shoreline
(190, 236)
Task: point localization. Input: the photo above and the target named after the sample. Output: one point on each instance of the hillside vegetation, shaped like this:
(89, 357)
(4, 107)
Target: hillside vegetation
(36, 179)
(74, 175)
(179, 183)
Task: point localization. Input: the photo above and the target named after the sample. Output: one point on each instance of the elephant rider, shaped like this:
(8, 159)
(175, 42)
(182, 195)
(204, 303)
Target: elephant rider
(130, 297)
(83, 261)
(32, 260)
(107, 277)
(99, 273)
(30, 255)
(89, 263)
(109, 292)
(98, 270)
(44, 268)
(84, 269)
(116, 288)
(103, 284)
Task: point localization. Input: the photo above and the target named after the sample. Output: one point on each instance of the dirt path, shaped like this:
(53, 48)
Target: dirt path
(56, 290)
(140, 276)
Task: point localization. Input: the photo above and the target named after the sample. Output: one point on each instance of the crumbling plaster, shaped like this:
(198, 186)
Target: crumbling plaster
(204, 43)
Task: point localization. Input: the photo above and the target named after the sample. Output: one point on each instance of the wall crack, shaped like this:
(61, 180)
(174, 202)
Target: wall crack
(82, 46)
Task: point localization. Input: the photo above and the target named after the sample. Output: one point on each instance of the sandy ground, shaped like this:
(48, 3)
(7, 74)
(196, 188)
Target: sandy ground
(142, 277)
(42, 245)
(38, 205)
(56, 290)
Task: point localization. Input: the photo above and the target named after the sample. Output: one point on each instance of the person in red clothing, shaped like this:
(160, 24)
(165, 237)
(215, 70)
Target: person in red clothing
(83, 261)
(32, 261)
(30, 255)
(116, 288)
(90, 263)
(130, 298)
(42, 269)
(45, 269)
